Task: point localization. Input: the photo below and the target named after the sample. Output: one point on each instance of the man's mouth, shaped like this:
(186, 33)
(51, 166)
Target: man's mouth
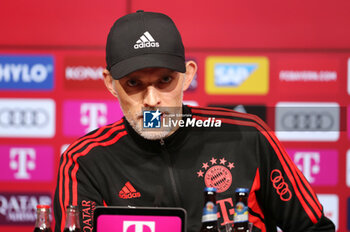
(162, 115)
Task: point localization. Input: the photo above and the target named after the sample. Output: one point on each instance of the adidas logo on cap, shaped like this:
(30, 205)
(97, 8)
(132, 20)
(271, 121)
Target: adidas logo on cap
(146, 41)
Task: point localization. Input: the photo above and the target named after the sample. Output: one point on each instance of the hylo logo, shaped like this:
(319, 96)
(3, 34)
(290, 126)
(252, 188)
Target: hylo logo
(138, 226)
(26, 72)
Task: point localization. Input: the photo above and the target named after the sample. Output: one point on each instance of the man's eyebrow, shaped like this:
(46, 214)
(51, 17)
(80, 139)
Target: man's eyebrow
(132, 75)
(168, 72)
(160, 72)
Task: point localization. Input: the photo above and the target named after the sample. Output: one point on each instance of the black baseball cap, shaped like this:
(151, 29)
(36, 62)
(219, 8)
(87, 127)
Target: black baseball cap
(144, 40)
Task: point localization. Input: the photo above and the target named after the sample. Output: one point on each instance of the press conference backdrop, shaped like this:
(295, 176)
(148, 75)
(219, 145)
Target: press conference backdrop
(288, 62)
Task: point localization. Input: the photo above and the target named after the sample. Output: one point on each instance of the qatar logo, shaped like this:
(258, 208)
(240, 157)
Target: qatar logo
(19, 209)
(139, 226)
(217, 175)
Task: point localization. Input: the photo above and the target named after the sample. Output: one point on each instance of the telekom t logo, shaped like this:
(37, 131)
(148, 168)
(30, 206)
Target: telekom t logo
(22, 160)
(138, 226)
(308, 163)
(93, 115)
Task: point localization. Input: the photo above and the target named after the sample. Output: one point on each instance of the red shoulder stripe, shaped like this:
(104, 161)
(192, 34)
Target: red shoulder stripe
(67, 156)
(253, 204)
(76, 167)
(229, 112)
(283, 163)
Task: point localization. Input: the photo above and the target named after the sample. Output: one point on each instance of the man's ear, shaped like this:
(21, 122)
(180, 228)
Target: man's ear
(191, 70)
(108, 79)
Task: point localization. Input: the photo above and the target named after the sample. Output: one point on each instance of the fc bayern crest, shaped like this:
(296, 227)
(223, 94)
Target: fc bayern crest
(217, 175)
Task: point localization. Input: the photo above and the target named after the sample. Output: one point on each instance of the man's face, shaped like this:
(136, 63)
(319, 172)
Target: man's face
(151, 88)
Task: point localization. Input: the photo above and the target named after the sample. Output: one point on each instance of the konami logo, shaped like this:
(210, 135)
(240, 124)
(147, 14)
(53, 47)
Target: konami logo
(84, 72)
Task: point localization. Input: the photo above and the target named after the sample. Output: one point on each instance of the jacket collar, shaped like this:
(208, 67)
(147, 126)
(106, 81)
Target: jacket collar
(173, 142)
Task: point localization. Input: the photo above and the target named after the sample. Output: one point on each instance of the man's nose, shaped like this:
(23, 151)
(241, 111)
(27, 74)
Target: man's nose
(151, 97)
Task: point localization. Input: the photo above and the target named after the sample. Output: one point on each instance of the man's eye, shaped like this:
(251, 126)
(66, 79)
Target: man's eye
(166, 79)
(132, 83)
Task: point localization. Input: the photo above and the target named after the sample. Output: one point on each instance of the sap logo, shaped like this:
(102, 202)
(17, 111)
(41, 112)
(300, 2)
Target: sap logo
(138, 226)
(26, 72)
(19, 209)
(232, 74)
(237, 75)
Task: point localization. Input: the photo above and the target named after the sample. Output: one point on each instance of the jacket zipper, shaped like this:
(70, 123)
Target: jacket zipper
(171, 173)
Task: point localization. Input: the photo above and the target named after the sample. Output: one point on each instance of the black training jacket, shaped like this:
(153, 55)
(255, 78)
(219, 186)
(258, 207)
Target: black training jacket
(114, 166)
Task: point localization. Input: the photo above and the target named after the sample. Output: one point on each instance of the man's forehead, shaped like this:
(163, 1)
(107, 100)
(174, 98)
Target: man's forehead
(151, 71)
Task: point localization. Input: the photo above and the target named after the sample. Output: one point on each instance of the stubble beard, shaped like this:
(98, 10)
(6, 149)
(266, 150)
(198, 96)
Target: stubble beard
(136, 122)
(148, 134)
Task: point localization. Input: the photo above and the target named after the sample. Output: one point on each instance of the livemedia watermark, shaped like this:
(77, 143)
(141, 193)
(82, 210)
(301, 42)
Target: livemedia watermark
(172, 117)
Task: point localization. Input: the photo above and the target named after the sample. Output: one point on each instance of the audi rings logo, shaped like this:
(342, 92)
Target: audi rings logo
(280, 185)
(308, 121)
(26, 117)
